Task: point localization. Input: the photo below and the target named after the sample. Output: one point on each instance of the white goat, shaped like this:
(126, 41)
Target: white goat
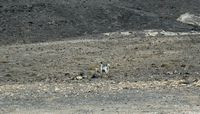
(104, 68)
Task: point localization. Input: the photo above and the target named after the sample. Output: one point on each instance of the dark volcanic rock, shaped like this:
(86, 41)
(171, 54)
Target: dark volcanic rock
(30, 21)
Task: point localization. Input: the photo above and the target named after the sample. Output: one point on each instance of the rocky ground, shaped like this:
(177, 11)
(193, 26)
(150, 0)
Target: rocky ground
(153, 49)
(150, 72)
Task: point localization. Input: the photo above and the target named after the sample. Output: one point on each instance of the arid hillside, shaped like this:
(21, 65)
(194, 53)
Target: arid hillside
(28, 21)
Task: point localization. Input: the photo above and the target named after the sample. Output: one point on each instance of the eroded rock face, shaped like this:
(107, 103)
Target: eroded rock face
(189, 18)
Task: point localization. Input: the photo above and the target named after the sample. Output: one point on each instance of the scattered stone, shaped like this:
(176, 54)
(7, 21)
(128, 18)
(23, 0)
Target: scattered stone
(187, 73)
(67, 74)
(7, 75)
(151, 33)
(102, 109)
(169, 73)
(176, 72)
(107, 34)
(3, 60)
(196, 72)
(125, 88)
(192, 79)
(166, 65)
(136, 48)
(197, 83)
(183, 65)
(79, 77)
(95, 76)
(57, 89)
(83, 75)
(185, 82)
(153, 64)
(125, 33)
(195, 80)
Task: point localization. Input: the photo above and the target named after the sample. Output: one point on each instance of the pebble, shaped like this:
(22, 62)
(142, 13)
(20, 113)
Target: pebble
(196, 72)
(79, 77)
(82, 74)
(57, 89)
(95, 76)
(170, 73)
(176, 72)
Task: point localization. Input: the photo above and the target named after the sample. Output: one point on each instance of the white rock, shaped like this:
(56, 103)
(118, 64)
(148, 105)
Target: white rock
(106, 34)
(125, 33)
(167, 33)
(170, 73)
(189, 19)
(57, 89)
(151, 33)
(79, 77)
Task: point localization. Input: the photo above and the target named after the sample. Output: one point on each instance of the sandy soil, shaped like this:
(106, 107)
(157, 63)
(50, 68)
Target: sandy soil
(157, 74)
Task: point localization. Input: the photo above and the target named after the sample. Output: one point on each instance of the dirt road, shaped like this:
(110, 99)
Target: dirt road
(180, 100)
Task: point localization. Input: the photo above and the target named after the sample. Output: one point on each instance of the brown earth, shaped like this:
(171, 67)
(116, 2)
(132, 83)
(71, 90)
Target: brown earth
(147, 74)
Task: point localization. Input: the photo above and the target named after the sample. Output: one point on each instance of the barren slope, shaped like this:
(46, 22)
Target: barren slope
(30, 21)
